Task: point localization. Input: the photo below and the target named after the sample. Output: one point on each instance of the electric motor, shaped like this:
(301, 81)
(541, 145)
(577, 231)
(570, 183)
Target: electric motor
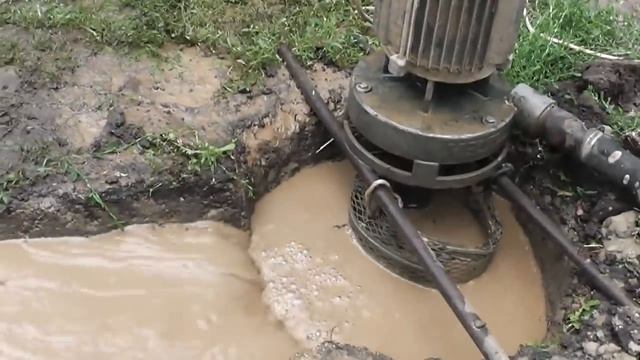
(452, 41)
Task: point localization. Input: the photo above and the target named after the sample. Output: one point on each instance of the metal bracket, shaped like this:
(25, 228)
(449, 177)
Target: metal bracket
(371, 209)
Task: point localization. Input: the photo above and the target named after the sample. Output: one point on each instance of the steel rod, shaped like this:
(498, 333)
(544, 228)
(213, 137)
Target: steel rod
(475, 327)
(556, 235)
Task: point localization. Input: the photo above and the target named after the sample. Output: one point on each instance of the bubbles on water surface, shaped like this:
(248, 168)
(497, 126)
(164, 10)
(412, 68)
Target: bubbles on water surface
(295, 300)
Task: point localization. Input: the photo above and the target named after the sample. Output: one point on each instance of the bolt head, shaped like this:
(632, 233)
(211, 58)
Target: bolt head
(489, 120)
(479, 324)
(363, 87)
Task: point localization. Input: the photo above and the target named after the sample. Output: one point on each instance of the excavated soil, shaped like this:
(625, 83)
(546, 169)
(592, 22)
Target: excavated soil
(102, 98)
(109, 99)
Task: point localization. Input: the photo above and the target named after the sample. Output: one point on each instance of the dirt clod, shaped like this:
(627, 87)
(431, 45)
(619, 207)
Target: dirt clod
(117, 131)
(617, 80)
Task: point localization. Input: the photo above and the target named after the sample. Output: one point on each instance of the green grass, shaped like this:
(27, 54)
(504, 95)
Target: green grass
(9, 182)
(75, 174)
(620, 122)
(47, 166)
(247, 31)
(198, 155)
(541, 63)
(584, 312)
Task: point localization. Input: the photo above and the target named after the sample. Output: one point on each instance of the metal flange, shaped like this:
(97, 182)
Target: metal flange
(422, 173)
(464, 123)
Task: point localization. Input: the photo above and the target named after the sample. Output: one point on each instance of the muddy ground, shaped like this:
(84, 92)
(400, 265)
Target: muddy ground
(94, 140)
(111, 125)
(581, 202)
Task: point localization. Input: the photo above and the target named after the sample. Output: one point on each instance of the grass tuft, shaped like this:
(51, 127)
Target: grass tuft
(74, 174)
(620, 122)
(583, 313)
(541, 63)
(198, 155)
(9, 182)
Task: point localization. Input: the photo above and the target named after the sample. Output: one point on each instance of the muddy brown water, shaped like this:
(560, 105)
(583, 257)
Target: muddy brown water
(322, 287)
(205, 291)
(149, 292)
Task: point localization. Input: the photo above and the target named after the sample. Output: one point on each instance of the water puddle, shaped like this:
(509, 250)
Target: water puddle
(322, 287)
(149, 292)
(193, 291)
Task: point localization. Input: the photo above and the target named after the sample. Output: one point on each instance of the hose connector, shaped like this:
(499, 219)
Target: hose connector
(531, 108)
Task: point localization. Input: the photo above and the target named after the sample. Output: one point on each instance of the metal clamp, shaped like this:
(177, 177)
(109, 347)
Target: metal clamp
(367, 196)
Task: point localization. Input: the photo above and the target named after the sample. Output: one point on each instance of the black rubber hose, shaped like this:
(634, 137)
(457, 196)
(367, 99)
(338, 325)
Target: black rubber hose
(539, 116)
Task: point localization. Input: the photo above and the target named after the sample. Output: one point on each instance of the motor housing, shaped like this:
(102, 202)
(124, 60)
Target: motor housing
(452, 41)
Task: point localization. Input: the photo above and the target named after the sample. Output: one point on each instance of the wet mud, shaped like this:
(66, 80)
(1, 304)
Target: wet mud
(580, 202)
(95, 111)
(298, 286)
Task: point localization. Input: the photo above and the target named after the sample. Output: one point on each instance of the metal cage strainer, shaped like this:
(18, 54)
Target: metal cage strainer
(379, 239)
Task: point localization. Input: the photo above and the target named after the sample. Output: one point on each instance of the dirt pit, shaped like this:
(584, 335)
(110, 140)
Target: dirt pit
(323, 287)
(192, 291)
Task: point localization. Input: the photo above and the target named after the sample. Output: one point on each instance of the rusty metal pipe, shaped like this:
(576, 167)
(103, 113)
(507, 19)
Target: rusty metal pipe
(475, 327)
(586, 267)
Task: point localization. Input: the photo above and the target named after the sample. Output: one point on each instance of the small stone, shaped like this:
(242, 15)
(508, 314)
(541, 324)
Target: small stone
(116, 117)
(271, 71)
(608, 349)
(624, 249)
(213, 214)
(557, 357)
(634, 348)
(600, 334)
(599, 320)
(112, 179)
(623, 356)
(590, 348)
(621, 226)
